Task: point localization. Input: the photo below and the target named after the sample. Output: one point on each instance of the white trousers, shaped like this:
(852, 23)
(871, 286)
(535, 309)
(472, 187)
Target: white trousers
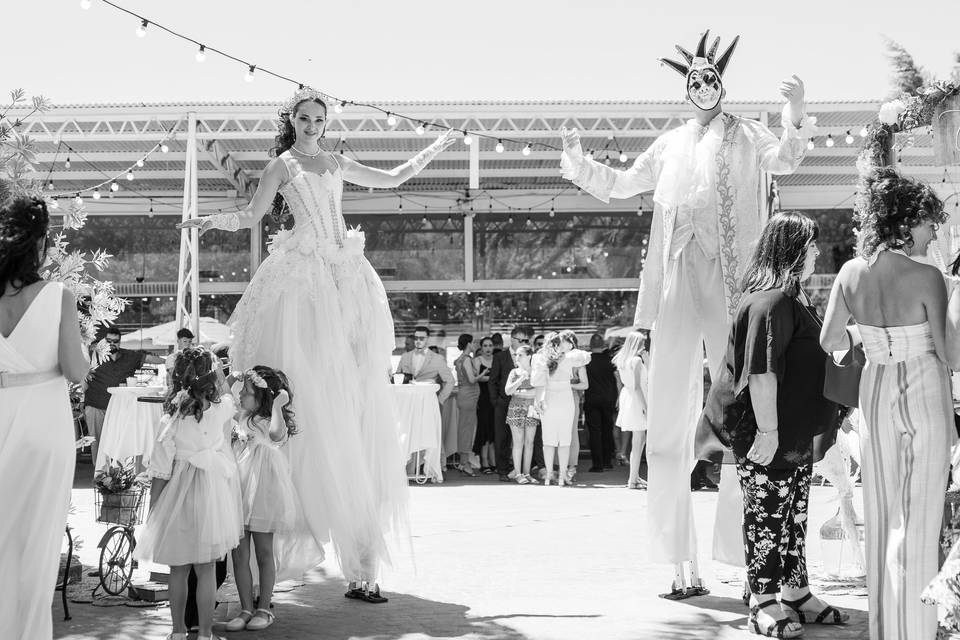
(692, 313)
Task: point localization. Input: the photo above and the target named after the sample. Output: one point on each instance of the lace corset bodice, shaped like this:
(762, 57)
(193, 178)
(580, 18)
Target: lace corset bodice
(886, 345)
(315, 203)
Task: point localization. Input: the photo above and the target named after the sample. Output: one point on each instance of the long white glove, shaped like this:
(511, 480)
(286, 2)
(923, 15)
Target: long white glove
(572, 157)
(422, 159)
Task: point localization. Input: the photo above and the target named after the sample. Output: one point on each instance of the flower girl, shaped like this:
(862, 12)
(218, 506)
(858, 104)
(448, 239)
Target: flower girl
(632, 416)
(269, 506)
(196, 516)
(521, 415)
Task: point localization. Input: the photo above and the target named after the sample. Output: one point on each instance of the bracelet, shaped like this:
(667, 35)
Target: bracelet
(766, 433)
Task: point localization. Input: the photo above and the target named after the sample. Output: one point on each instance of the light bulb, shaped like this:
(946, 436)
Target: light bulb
(50, 186)
(526, 150)
(420, 129)
(589, 155)
(84, 4)
(863, 132)
(499, 146)
(78, 200)
(66, 165)
(829, 140)
(142, 29)
(129, 175)
(140, 162)
(467, 139)
(114, 186)
(849, 138)
(338, 107)
(510, 220)
(250, 71)
(623, 157)
(164, 148)
(552, 212)
(391, 119)
(96, 194)
(54, 203)
(201, 54)
(810, 144)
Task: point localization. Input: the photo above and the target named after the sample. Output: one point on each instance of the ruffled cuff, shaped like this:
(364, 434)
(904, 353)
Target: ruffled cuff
(570, 165)
(225, 221)
(807, 128)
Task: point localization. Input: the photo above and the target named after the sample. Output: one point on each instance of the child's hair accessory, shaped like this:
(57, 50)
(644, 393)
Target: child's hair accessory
(255, 379)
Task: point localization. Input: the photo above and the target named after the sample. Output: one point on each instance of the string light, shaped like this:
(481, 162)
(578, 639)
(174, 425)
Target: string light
(391, 119)
(589, 155)
(829, 139)
(499, 147)
(849, 137)
(338, 107)
(78, 200)
(863, 132)
(129, 174)
(96, 194)
(252, 69)
(467, 139)
(810, 144)
(420, 129)
(50, 185)
(526, 150)
(66, 163)
(142, 29)
(140, 162)
(164, 148)
(201, 54)
(114, 186)
(552, 211)
(623, 157)
(55, 203)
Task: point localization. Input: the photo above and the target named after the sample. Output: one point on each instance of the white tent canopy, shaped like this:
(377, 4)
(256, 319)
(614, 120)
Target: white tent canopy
(211, 332)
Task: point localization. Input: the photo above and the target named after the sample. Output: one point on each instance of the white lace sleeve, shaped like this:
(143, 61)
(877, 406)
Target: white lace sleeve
(225, 221)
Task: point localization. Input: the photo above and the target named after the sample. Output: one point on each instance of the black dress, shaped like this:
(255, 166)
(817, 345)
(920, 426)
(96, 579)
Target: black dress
(484, 415)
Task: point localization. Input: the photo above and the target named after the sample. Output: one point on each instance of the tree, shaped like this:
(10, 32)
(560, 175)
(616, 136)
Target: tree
(908, 78)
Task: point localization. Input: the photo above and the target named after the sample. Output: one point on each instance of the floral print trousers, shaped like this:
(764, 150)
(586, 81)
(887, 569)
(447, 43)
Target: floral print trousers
(775, 525)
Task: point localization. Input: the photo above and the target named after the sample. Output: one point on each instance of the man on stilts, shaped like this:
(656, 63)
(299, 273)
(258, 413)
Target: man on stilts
(708, 212)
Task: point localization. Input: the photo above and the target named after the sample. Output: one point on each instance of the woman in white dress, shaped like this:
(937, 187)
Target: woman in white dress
(317, 310)
(632, 414)
(552, 372)
(39, 346)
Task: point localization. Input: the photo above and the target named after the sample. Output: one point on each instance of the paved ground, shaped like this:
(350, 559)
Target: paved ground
(493, 560)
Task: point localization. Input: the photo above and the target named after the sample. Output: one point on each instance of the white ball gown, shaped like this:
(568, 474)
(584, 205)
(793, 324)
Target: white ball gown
(317, 310)
(37, 456)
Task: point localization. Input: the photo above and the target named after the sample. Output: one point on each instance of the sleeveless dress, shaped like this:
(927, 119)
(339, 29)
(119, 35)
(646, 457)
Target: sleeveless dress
(560, 407)
(631, 416)
(468, 394)
(905, 439)
(198, 517)
(37, 458)
(317, 310)
(265, 484)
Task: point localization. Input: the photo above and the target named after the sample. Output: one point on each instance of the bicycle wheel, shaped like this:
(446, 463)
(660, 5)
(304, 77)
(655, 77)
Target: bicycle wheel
(116, 560)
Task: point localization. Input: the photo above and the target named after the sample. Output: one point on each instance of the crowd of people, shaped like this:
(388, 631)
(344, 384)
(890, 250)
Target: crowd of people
(520, 407)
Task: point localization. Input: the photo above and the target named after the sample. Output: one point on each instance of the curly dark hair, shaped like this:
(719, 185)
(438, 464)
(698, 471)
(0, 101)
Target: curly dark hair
(780, 254)
(196, 371)
(277, 381)
(24, 222)
(888, 205)
(285, 138)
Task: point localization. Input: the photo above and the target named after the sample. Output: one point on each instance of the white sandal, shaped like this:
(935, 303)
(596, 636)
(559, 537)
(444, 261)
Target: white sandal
(264, 615)
(238, 623)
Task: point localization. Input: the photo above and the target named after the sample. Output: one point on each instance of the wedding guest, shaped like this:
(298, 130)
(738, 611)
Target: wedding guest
(503, 363)
(899, 306)
(484, 444)
(578, 385)
(42, 349)
(632, 414)
(778, 373)
(497, 342)
(468, 392)
(538, 343)
(600, 403)
(117, 365)
(521, 416)
(423, 365)
(184, 341)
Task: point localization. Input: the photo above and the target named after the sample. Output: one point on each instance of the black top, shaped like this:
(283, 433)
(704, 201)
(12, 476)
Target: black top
(601, 380)
(775, 333)
(110, 374)
(499, 370)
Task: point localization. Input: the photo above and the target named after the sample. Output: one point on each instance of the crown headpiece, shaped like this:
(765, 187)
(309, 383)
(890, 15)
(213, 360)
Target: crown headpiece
(703, 58)
(306, 93)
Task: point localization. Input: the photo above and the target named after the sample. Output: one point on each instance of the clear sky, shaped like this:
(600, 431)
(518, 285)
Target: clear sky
(458, 50)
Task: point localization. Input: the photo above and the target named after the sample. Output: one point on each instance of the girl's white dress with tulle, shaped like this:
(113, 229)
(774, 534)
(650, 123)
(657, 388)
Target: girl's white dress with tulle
(632, 415)
(37, 457)
(198, 517)
(317, 310)
(265, 484)
(559, 405)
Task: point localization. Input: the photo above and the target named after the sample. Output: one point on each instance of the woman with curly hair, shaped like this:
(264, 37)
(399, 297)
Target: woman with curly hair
(317, 310)
(39, 346)
(899, 309)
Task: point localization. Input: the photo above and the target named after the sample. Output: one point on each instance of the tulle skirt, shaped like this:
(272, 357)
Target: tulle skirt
(198, 517)
(266, 488)
(325, 321)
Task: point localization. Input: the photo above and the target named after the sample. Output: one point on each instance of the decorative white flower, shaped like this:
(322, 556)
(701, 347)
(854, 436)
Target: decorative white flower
(355, 241)
(891, 111)
(279, 240)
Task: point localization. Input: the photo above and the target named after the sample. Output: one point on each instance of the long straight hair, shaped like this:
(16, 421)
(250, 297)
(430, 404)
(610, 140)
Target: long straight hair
(780, 254)
(631, 347)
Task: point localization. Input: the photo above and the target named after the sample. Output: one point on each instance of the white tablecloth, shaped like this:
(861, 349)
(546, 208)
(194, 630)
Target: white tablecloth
(129, 427)
(418, 413)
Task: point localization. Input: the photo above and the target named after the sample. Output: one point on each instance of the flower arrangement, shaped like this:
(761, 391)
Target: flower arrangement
(75, 269)
(117, 478)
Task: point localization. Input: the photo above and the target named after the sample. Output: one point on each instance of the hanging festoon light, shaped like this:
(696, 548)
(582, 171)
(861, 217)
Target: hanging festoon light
(140, 162)
(467, 139)
(391, 119)
(553, 211)
(252, 69)
(78, 201)
(50, 185)
(421, 129)
(201, 54)
(526, 150)
(623, 157)
(66, 163)
(499, 147)
(863, 132)
(96, 194)
(589, 155)
(338, 107)
(129, 174)
(54, 203)
(164, 147)
(810, 144)
(114, 186)
(142, 29)
(849, 138)
(829, 139)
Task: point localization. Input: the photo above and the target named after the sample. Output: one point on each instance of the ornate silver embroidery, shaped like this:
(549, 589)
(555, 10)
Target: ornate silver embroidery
(726, 194)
